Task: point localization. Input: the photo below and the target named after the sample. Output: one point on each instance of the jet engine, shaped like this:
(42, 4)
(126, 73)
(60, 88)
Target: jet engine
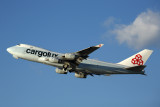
(53, 60)
(60, 71)
(69, 56)
(80, 75)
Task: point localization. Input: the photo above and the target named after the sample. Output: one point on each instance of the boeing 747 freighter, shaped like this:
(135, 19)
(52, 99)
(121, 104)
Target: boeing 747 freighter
(78, 62)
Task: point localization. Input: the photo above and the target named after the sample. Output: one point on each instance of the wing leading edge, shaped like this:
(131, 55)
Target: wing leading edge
(79, 56)
(85, 52)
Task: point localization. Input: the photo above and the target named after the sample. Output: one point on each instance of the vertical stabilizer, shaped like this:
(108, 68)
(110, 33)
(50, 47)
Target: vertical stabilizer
(137, 59)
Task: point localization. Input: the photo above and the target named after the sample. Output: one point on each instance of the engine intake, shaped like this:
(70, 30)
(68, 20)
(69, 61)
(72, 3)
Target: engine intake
(60, 71)
(80, 75)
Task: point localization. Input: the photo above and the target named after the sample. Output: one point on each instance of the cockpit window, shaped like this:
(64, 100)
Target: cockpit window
(18, 44)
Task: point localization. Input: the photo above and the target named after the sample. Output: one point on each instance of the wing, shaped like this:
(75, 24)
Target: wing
(85, 52)
(74, 59)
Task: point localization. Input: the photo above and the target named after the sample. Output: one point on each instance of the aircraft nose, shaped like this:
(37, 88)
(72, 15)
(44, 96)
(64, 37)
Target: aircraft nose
(9, 49)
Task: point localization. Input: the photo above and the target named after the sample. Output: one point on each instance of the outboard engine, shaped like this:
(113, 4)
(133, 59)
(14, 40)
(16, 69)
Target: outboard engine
(60, 71)
(80, 75)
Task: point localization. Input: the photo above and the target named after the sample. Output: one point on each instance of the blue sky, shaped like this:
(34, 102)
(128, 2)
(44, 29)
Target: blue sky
(69, 26)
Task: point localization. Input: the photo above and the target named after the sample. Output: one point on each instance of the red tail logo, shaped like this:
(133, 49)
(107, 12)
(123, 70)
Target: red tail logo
(137, 60)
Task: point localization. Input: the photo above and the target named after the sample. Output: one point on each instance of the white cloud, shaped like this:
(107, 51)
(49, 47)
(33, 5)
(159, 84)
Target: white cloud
(143, 32)
(110, 21)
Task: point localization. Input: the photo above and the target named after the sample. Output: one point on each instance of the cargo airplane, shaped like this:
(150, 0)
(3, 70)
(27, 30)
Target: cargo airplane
(79, 63)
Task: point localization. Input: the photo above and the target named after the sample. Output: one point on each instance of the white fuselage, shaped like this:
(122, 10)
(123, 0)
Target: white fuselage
(40, 55)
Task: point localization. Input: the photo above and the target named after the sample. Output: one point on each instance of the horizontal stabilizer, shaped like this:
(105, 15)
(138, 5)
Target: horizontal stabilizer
(136, 68)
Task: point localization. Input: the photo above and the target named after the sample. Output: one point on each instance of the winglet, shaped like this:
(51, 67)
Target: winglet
(100, 45)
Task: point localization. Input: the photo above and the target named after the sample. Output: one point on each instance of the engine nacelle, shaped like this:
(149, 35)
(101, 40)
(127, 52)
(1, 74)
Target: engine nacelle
(60, 71)
(80, 75)
(69, 56)
(53, 60)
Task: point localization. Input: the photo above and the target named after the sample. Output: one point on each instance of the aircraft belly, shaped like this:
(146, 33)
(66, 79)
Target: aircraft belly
(98, 69)
(92, 69)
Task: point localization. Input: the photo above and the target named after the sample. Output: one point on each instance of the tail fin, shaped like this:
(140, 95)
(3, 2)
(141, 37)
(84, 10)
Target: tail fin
(137, 59)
